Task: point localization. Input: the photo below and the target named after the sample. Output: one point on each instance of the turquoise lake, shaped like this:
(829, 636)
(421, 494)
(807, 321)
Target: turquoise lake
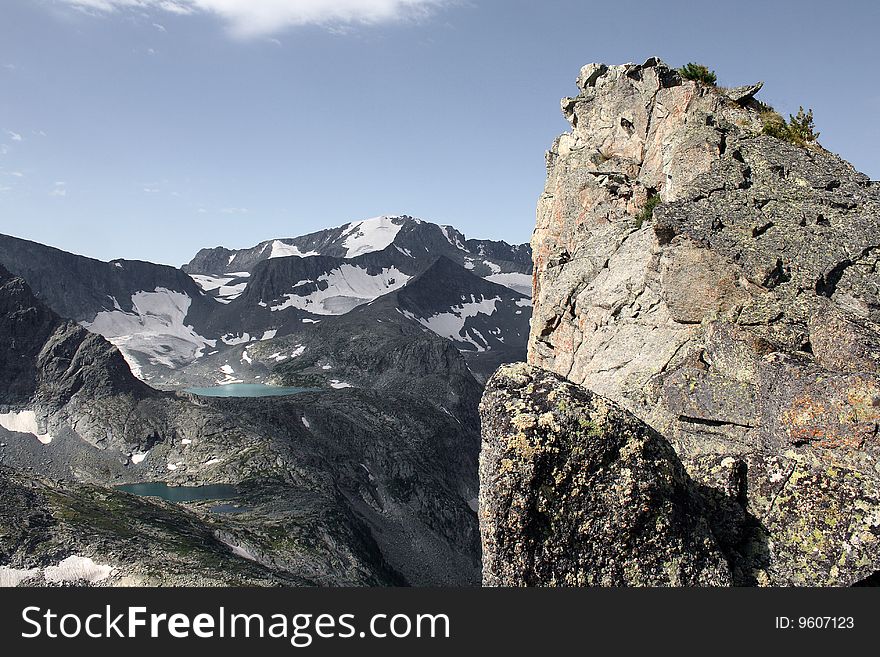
(246, 390)
(181, 493)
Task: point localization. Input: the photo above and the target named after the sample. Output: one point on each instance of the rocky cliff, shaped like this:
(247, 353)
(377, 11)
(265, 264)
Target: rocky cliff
(740, 320)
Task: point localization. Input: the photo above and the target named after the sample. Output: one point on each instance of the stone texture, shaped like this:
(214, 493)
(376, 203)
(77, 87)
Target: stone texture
(740, 321)
(584, 494)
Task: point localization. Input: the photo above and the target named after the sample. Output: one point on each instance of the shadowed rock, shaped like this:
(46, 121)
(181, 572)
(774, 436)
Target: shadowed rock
(578, 492)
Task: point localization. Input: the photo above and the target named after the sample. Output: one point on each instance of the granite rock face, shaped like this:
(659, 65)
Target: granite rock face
(740, 321)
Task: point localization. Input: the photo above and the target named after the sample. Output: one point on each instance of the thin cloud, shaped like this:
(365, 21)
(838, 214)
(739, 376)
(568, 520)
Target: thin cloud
(251, 18)
(59, 190)
(14, 136)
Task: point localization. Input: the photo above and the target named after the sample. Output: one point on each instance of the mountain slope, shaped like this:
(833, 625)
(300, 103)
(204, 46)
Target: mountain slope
(326, 478)
(398, 341)
(151, 312)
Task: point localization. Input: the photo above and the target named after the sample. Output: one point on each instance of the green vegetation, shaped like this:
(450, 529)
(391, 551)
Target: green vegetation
(799, 130)
(698, 73)
(774, 124)
(647, 212)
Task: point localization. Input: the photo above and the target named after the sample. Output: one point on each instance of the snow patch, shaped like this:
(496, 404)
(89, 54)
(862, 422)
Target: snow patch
(154, 329)
(239, 551)
(139, 458)
(306, 423)
(282, 250)
(348, 287)
(24, 422)
(230, 292)
(246, 358)
(339, 385)
(370, 235)
(233, 339)
(12, 577)
(451, 325)
(77, 569)
(298, 351)
(518, 282)
(268, 335)
(210, 283)
(452, 238)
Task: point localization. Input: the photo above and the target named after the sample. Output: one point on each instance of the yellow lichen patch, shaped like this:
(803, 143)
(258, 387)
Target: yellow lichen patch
(548, 421)
(523, 421)
(520, 444)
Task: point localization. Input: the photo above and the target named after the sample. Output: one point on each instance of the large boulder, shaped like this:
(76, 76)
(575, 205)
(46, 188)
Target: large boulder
(575, 491)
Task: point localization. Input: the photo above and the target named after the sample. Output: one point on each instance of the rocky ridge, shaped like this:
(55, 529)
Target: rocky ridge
(739, 321)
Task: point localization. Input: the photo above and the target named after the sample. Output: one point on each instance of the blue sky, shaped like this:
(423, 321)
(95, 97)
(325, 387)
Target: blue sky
(151, 128)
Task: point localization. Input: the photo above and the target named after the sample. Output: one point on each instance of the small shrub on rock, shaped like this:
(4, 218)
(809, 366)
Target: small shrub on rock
(799, 130)
(647, 211)
(698, 73)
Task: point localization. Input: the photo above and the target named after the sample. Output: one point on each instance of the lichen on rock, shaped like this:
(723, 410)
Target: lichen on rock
(584, 494)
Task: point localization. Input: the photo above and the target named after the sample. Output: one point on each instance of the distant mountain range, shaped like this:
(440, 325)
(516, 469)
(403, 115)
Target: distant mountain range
(167, 321)
(386, 330)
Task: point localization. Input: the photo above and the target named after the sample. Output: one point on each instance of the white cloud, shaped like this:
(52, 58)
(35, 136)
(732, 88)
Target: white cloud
(60, 189)
(14, 136)
(17, 174)
(248, 18)
(159, 27)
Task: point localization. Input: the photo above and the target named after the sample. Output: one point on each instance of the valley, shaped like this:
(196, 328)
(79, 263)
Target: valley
(308, 405)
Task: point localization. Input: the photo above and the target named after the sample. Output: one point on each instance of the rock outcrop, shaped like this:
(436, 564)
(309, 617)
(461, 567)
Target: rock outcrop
(741, 321)
(620, 510)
